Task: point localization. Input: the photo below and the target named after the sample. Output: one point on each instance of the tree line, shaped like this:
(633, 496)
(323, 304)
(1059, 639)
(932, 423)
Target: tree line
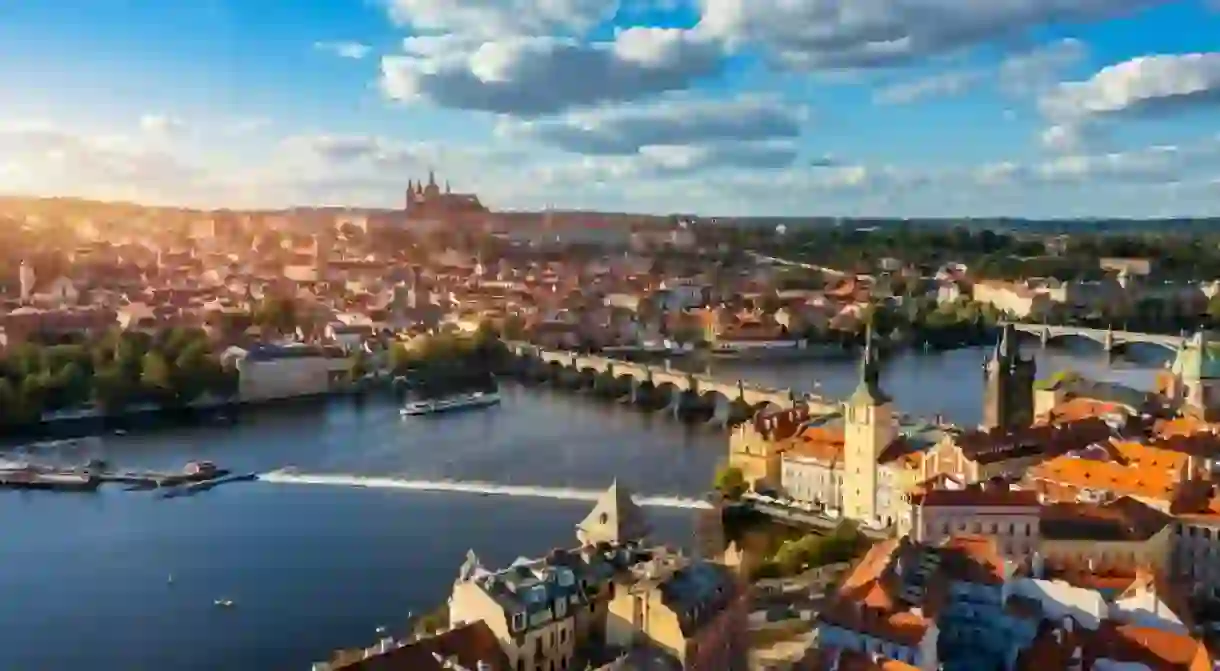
(990, 254)
(171, 367)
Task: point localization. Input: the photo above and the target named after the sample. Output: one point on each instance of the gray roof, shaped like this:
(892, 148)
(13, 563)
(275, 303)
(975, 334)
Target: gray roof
(615, 519)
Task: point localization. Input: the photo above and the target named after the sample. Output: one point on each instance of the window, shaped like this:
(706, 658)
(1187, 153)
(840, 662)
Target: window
(518, 621)
(561, 608)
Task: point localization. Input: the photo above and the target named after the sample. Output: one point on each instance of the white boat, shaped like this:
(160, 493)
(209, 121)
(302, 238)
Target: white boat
(479, 399)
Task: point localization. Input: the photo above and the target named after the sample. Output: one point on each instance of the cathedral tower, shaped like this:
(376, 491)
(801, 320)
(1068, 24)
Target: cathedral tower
(26, 277)
(868, 430)
(1008, 393)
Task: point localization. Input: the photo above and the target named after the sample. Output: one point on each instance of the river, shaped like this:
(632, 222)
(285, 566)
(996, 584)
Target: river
(86, 578)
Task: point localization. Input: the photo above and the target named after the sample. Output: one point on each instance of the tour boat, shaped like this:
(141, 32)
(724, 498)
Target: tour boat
(478, 399)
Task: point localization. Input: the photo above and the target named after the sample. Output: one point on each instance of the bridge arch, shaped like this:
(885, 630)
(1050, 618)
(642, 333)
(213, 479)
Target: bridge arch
(1061, 338)
(554, 369)
(715, 399)
(587, 375)
(667, 390)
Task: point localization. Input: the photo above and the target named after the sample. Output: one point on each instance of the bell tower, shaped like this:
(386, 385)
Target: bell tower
(1008, 385)
(868, 430)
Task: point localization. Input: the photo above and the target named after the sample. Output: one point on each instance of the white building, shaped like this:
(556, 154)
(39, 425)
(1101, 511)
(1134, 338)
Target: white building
(270, 372)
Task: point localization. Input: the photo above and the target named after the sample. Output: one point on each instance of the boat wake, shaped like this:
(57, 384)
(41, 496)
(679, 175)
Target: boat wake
(472, 487)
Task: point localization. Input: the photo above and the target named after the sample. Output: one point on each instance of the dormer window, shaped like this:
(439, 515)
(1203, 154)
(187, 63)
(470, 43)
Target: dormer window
(518, 621)
(561, 608)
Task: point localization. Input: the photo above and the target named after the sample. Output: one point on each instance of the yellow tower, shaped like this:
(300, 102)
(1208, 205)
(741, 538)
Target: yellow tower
(868, 430)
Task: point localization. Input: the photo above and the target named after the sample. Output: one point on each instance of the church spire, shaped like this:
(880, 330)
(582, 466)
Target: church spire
(431, 178)
(868, 390)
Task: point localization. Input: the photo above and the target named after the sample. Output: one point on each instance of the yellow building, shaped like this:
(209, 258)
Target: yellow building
(756, 447)
(694, 611)
(548, 613)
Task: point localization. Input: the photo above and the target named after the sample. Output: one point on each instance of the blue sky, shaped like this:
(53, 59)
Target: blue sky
(767, 107)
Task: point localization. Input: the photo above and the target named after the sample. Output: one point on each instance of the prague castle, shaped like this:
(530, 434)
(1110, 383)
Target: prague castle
(428, 202)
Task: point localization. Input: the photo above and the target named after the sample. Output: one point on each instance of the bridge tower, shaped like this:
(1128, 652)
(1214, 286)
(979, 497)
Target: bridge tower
(868, 430)
(1008, 385)
(1197, 369)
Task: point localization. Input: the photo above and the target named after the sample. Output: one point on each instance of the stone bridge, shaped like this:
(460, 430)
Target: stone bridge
(1107, 338)
(723, 393)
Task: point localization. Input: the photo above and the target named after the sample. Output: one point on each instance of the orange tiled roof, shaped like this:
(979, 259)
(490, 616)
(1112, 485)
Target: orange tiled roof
(1156, 649)
(978, 559)
(469, 644)
(1139, 479)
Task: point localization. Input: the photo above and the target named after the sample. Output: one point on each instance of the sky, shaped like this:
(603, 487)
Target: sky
(901, 108)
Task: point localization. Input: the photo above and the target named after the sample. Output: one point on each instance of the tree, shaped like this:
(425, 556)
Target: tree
(277, 313)
(730, 482)
(358, 365)
(9, 412)
(156, 375)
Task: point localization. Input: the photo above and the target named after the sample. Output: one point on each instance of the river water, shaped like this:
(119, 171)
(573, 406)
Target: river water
(86, 578)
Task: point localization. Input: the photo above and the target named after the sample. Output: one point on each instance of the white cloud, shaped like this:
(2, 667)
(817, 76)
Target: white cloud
(934, 86)
(534, 76)
(626, 129)
(352, 50)
(237, 127)
(829, 34)
(1023, 73)
(712, 176)
(652, 161)
(1064, 138)
(1035, 71)
(161, 124)
(497, 18)
(63, 161)
(1149, 84)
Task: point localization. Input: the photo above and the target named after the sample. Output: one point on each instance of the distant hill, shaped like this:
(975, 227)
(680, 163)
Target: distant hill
(1180, 226)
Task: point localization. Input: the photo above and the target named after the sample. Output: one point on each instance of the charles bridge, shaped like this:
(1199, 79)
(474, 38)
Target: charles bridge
(679, 391)
(730, 400)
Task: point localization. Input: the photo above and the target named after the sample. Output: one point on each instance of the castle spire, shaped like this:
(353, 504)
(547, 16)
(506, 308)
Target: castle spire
(431, 178)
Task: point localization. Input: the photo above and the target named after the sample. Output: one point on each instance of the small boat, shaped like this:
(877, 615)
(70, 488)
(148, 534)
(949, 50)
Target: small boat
(223, 603)
(478, 399)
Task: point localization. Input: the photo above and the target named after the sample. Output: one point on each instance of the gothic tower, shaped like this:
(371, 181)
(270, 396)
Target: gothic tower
(868, 430)
(27, 278)
(1008, 385)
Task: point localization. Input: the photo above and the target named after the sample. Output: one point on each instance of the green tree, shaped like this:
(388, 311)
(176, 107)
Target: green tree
(9, 412)
(358, 365)
(730, 482)
(156, 376)
(277, 313)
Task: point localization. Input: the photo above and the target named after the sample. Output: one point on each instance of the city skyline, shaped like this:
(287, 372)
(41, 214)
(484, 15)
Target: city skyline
(1040, 108)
